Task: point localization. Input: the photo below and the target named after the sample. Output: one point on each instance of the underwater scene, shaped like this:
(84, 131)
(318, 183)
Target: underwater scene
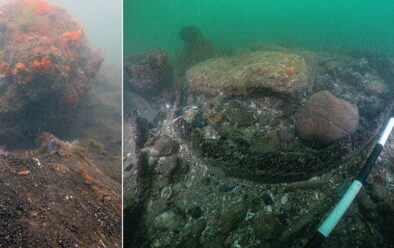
(60, 123)
(245, 122)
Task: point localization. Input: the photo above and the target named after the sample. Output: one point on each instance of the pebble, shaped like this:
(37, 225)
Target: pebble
(284, 199)
(367, 206)
(166, 192)
(379, 193)
(166, 165)
(192, 232)
(152, 161)
(226, 187)
(183, 166)
(194, 211)
(249, 215)
(267, 199)
(232, 214)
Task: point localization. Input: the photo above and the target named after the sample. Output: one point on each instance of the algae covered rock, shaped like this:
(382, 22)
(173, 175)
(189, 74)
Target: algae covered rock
(271, 72)
(149, 73)
(326, 118)
(46, 64)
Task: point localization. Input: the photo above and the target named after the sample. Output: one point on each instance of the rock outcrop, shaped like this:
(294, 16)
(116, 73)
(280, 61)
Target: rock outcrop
(148, 74)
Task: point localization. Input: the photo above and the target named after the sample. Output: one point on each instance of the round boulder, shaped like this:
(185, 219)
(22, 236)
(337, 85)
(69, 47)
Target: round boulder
(326, 118)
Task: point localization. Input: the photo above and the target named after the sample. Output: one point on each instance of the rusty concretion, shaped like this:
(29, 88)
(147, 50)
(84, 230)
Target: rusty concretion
(46, 63)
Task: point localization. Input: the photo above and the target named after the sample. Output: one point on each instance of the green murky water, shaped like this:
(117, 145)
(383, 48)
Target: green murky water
(319, 25)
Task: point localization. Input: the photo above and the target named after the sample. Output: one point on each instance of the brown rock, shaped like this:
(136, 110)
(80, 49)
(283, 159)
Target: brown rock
(326, 118)
(267, 227)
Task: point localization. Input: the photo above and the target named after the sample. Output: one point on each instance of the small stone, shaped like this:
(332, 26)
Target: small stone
(152, 161)
(238, 114)
(194, 211)
(372, 107)
(267, 227)
(166, 165)
(164, 146)
(367, 206)
(133, 103)
(24, 172)
(192, 232)
(249, 215)
(375, 87)
(379, 193)
(168, 220)
(226, 187)
(284, 199)
(267, 199)
(3, 152)
(166, 192)
(183, 166)
(232, 214)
